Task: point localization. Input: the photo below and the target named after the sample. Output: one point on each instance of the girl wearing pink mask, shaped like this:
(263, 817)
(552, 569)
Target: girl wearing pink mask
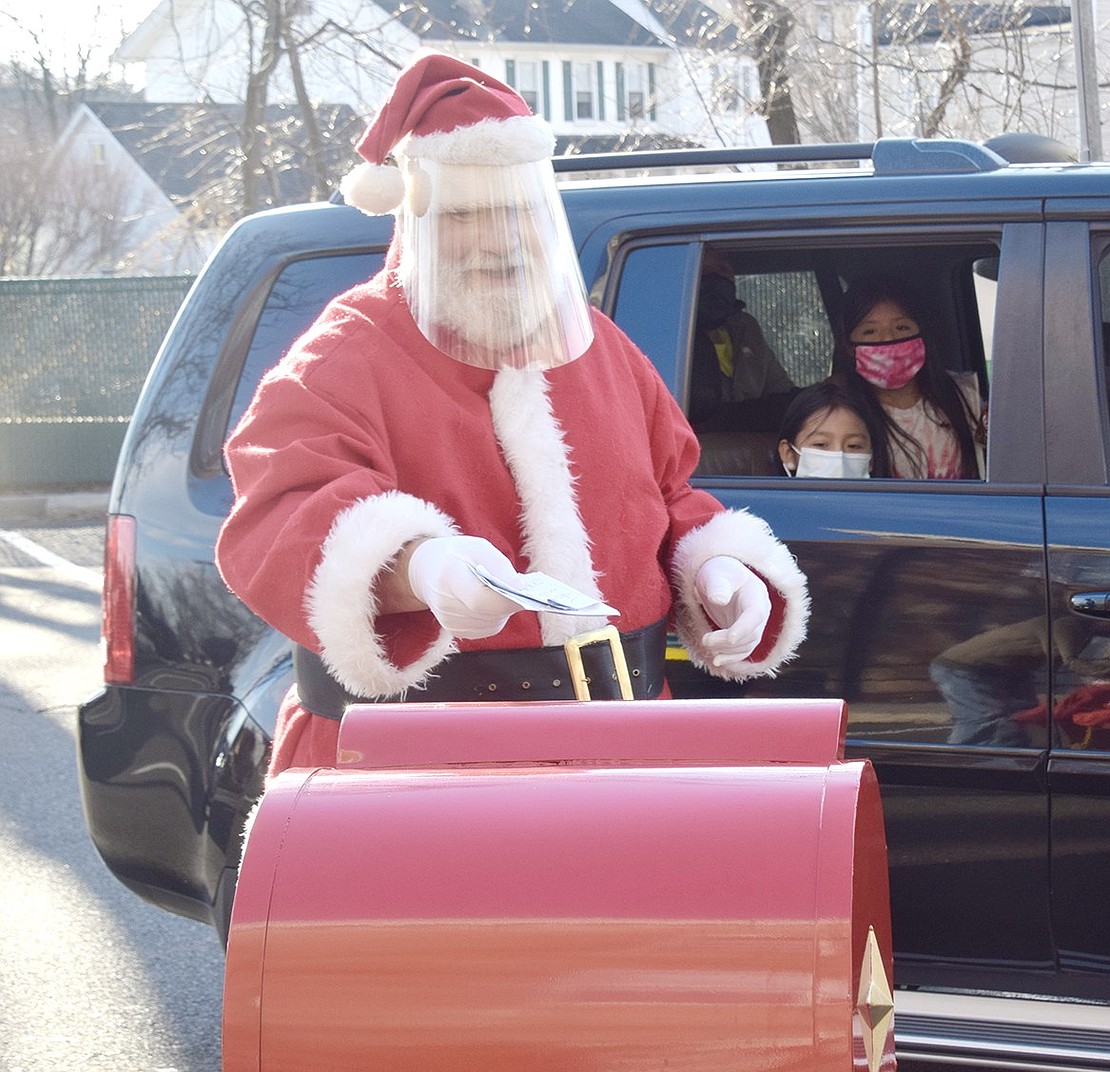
(931, 417)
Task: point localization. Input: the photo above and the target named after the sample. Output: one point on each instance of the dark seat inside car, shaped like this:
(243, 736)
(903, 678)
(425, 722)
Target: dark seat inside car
(739, 454)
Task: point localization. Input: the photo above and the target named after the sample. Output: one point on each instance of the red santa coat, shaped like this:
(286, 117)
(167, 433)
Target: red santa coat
(365, 437)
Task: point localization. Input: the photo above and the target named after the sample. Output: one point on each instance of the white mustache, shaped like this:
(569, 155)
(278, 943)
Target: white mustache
(479, 262)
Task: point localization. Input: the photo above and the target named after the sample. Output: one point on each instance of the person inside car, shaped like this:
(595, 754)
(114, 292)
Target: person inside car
(932, 419)
(737, 382)
(463, 418)
(825, 433)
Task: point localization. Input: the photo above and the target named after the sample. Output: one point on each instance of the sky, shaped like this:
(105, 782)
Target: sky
(64, 27)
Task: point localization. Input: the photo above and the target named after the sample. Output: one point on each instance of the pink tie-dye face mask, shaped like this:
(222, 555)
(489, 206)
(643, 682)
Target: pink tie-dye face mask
(890, 365)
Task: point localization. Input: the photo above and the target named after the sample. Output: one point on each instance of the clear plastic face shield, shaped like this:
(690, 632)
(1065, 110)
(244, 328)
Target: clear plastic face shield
(489, 269)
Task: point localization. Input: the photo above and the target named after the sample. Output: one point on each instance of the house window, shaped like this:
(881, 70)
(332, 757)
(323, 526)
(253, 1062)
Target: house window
(527, 84)
(98, 154)
(635, 82)
(582, 81)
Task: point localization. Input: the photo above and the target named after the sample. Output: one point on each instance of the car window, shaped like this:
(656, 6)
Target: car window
(780, 337)
(647, 305)
(789, 308)
(1103, 335)
(984, 274)
(296, 298)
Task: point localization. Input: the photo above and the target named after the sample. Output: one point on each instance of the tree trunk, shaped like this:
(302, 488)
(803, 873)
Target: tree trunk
(771, 25)
(320, 183)
(253, 135)
(954, 32)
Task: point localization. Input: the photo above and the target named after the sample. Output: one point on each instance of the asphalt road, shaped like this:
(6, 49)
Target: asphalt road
(91, 977)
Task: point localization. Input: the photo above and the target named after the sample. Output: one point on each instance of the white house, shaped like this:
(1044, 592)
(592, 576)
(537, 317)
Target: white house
(149, 185)
(972, 69)
(607, 69)
(107, 183)
(1019, 75)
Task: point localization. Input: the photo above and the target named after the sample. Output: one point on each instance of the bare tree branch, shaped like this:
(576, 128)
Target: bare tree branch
(955, 35)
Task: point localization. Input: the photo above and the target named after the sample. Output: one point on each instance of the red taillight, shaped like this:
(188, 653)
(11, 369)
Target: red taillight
(119, 600)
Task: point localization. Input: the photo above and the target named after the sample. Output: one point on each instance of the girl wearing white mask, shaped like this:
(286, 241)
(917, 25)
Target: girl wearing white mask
(931, 418)
(825, 433)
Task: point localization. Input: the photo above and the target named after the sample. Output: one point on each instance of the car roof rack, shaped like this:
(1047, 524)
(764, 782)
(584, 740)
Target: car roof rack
(888, 156)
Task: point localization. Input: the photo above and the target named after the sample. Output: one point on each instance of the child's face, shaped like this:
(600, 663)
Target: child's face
(885, 322)
(837, 429)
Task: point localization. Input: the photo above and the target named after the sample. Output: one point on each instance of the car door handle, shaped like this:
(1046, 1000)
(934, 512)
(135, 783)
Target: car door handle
(1096, 604)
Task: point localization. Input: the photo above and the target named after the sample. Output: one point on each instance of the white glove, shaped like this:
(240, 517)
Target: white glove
(738, 603)
(440, 576)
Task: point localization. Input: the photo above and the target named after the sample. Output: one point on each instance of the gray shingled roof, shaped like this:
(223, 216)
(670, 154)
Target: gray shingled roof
(923, 22)
(579, 22)
(188, 148)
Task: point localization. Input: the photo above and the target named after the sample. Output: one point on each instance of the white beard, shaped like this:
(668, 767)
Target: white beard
(474, 301)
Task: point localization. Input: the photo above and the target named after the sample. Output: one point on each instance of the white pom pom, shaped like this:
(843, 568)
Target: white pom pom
(376, 189)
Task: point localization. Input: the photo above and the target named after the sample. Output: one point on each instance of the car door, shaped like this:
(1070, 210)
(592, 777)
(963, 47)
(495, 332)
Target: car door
(905, 577)
(1077, 510)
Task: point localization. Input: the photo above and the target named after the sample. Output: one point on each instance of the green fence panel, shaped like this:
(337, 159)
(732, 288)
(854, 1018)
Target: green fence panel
(58, 454)
(73, 357)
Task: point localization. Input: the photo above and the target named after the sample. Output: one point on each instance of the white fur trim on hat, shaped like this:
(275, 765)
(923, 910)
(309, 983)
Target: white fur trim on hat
(555, 538)
(749, 539)
(376, 189)
(521, 139)
(340, 602)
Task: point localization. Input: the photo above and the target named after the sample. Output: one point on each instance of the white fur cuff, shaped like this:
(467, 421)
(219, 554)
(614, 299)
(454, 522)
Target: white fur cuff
(748, 538)
(340, 602)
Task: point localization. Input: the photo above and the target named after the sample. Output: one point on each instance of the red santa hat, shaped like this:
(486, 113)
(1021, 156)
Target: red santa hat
(444, 110)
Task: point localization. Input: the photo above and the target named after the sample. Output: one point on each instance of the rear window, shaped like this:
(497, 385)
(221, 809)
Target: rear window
(297, 298)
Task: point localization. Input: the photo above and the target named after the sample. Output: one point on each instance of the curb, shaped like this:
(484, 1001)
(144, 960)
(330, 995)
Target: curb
(89, 506)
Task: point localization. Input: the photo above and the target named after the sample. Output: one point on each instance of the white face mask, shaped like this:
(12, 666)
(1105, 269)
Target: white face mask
(834, 464)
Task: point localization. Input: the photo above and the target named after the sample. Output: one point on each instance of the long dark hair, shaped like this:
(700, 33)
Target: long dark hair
(937, 388)
(827, 395)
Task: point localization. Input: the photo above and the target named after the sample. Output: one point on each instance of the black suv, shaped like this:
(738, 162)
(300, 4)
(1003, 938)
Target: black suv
(935, 603)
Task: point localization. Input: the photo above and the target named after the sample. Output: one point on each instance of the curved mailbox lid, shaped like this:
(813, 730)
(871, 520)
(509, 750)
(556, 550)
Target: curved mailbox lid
(670, 732)
(572, 915)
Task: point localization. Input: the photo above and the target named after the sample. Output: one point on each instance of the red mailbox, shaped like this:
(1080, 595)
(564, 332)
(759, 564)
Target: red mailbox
(567, 887)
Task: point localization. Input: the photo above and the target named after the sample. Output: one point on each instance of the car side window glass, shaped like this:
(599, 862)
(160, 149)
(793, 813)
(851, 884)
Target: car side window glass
(649, 306)
(789, 308)
(1104, 323)
(984, 276)
(766, 329)
(757, 337)
(296, 299)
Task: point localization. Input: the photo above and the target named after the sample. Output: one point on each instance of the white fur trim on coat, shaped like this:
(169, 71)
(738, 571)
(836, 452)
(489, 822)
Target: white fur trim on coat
(555, 538)
(748, 538)
(519, 139)
(340, 601)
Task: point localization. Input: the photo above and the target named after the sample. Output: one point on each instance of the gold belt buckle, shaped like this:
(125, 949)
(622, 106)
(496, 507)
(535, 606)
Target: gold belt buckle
(573, 649)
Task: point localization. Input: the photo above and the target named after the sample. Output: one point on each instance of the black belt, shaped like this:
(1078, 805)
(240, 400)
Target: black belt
(515, 674)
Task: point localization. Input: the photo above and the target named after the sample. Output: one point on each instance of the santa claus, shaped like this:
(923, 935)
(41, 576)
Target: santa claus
(467, 408)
